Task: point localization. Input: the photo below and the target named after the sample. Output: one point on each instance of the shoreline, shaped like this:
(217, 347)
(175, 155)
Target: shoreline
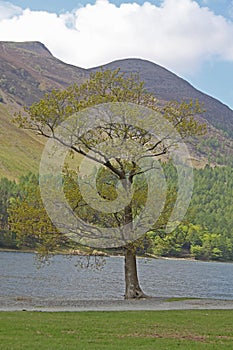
(105, 255)
(21, 303)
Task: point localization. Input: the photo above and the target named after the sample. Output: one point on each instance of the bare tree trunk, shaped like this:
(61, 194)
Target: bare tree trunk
(132, 287)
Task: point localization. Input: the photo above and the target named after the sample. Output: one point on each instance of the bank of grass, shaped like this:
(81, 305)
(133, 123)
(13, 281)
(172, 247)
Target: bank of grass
(165, 330)
(20, 150)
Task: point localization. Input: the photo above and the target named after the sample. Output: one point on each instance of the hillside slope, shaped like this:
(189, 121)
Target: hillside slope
(28, 70)
(20, 150)
(167, 86)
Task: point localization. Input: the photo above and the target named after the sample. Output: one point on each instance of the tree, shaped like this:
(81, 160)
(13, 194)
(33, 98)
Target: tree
(114, 116)
(29, 220)
(8, 190)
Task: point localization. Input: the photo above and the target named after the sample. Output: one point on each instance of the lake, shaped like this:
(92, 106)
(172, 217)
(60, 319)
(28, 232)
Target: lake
(64, 278)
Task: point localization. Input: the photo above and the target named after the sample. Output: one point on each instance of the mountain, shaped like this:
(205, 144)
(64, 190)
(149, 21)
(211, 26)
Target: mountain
(28, 70)
(167, 86)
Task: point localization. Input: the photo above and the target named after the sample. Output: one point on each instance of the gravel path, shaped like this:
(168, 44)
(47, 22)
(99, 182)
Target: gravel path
(38, 304)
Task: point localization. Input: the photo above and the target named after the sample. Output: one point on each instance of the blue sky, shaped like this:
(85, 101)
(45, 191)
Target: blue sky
(194, 39)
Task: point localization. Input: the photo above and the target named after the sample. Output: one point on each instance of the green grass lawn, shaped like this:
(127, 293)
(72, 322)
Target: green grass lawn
(208, 329)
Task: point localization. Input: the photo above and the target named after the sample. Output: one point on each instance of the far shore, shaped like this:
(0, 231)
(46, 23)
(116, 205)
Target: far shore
(103, 254)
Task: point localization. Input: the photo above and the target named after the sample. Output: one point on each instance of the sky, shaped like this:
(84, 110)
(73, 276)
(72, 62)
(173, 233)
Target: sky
(192, 38)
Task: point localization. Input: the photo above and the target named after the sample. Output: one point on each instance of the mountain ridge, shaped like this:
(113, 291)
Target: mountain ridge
(33, 70)
(163, 83)
(28, 70)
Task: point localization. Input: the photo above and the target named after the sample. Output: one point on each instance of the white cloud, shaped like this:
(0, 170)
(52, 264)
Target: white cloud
(178, 34)
(8, 10)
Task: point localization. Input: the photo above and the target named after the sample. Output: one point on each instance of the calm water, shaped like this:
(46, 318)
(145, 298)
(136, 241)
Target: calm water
(19, 276)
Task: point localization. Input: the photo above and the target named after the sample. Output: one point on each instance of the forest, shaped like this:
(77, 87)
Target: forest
(206, 232)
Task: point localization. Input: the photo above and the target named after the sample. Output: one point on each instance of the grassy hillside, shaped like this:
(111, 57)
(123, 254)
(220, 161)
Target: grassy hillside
(20, 150)
(28, 71)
